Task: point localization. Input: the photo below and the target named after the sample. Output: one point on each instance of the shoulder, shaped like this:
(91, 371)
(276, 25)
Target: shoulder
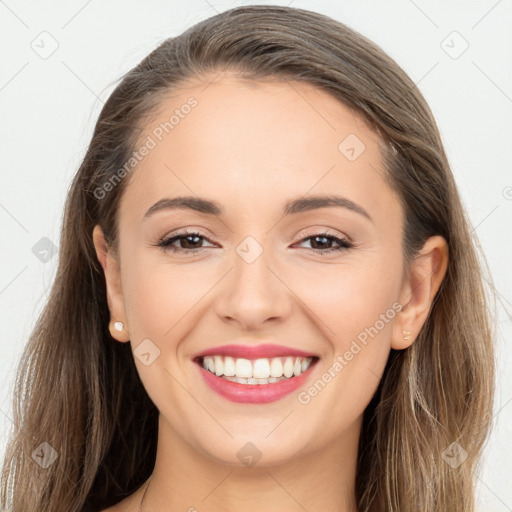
(119, 507)
(127, 505)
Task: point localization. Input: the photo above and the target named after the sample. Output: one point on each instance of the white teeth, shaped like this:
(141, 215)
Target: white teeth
(257, 371)
(229, 366)
(243, 368)
(288, 367)
(276, 367)
(241, 380)
(219, 365)
(261, 369)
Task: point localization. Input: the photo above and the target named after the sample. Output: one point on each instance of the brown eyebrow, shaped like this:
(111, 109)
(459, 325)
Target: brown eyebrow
(291, 207)
(186, 202)
(313, 202)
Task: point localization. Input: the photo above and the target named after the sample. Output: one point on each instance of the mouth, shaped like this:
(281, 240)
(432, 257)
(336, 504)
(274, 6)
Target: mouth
(260, 371)
(255, 381)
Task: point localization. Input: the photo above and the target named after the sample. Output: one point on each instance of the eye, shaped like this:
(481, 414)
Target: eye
(322, 243)
(187, 241)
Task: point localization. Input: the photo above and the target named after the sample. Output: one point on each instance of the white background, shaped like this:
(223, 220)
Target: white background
(49, 105)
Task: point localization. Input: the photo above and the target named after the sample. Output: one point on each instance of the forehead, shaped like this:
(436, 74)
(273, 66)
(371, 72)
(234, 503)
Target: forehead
(256, 142)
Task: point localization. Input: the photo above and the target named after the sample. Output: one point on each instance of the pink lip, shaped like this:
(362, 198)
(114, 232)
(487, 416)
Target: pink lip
(254, 351)
(254, 393)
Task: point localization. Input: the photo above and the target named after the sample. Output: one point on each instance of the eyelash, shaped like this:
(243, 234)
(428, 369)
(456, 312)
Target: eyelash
(165, 243)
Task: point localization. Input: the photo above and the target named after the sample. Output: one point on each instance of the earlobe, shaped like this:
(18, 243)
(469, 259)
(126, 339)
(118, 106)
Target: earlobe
(115, 299)
(426, 274)
(118, 331)
(402, 339)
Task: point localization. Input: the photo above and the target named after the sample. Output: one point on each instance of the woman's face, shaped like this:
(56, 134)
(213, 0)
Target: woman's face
(268, 156)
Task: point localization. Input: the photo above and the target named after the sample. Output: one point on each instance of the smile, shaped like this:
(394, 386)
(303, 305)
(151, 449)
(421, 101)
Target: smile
(255, 381)
(258, 371)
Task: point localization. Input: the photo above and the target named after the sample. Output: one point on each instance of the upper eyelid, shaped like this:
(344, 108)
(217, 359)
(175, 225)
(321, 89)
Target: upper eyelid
(326, 232)
(316, 231)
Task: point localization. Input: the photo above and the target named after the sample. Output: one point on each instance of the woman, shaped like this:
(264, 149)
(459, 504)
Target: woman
(267, 298)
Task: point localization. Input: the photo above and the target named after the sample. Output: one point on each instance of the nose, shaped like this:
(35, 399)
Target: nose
(253, 295)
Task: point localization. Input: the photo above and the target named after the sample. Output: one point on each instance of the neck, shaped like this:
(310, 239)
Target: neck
(184, 479)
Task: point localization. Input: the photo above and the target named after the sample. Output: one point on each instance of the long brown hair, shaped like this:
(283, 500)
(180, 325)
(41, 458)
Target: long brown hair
(79, 391)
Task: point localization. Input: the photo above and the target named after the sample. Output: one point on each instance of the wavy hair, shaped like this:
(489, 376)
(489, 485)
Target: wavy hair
(79, 391)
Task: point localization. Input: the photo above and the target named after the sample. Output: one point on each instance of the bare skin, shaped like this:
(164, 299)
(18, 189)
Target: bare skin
(252, 148)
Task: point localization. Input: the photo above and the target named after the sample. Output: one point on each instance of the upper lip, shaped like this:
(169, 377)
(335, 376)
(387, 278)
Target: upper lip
(266, 350)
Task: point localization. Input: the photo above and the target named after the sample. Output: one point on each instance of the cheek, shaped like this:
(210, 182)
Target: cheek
(350, 297)
(357, 314)
(167, 299)
(159, 297)
(162, 302)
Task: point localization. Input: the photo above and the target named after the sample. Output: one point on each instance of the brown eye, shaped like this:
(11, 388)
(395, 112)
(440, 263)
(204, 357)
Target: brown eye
(323, 243)
(187, 242)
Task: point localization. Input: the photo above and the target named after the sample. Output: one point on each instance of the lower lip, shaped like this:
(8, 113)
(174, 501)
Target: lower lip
(254, 393)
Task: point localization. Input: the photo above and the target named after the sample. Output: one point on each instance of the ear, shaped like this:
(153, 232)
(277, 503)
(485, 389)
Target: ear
(115, 298)
(418, 292)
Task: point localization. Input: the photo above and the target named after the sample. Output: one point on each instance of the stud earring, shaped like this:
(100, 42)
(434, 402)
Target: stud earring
(407, 335)
(118, 326)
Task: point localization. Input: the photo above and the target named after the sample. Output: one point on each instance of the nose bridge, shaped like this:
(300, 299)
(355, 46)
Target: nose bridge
(252, 294)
